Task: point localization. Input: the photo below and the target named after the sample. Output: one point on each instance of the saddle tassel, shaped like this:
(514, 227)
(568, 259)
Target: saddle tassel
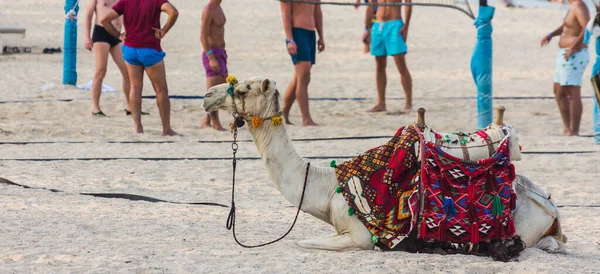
(474, 233)
(513, 201)
(449, 208)
(497, 206)
(423, 229)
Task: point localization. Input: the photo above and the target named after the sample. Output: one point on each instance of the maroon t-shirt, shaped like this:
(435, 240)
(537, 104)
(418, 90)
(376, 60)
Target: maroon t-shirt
(139, 17)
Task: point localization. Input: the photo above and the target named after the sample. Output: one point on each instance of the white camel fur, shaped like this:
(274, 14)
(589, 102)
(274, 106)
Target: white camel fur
(534, 215)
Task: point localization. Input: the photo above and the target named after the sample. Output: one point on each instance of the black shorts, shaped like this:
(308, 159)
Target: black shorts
(101, 35)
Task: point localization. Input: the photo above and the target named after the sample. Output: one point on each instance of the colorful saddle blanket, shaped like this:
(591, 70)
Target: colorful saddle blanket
(459, 202)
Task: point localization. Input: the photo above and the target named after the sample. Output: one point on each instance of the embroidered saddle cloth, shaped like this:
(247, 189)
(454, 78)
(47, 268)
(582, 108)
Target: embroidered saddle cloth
(467, 202)
(459, 202)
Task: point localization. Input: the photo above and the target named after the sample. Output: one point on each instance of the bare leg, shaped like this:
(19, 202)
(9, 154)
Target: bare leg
(212, 119)
(205, 122)
(136, 78)
(406, 80)
(158, 77)
(576, 108)
(101, 50)
(562, 99)
(117, 56)
(302, 70)
(288, 99)
(381, 79)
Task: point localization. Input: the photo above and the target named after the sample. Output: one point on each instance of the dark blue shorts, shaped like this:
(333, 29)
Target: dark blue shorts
(145, 57)
(306, 45)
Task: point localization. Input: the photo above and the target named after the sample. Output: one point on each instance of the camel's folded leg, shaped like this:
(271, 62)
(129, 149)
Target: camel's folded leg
(334, 243)
(551, 244)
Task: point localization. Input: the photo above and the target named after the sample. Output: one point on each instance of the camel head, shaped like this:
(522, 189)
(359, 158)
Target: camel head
(254, 97)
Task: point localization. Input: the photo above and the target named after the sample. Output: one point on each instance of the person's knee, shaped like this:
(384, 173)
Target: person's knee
(303, 76)
(100, 73)
(380, 63)
(136, 88)
(561, 92)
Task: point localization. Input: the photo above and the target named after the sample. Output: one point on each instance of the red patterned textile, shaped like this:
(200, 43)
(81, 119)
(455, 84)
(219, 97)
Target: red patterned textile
(379, 183)
(460, 201)
(467, 202)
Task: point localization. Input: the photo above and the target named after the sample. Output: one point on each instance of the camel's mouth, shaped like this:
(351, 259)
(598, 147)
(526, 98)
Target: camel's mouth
(215, 97)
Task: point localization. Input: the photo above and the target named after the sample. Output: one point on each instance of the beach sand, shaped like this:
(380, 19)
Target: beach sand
(48, 232)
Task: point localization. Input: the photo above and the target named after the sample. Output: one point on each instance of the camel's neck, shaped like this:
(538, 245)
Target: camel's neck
(287, 170)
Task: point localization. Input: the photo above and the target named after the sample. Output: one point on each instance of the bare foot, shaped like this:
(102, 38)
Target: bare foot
(139, 130)
(170, 132)
(394, 113)
(218, 128)
(377, 108)
(205, 122)
(286, 118)
(309, 123)
(407, 109)
(566, 132)
(574, 134)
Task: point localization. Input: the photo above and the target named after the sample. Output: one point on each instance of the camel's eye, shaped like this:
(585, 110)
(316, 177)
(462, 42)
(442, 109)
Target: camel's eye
(248, 86)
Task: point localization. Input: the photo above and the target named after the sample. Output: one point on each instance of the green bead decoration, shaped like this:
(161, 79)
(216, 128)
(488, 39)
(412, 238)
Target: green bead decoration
(375, 239)
(350, 211)
(338, 189)
(332, 164)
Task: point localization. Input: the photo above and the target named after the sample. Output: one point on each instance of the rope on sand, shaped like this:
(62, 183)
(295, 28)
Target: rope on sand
(239, 158)
(131, 197)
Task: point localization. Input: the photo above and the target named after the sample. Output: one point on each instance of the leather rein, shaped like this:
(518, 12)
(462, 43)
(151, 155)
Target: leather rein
(238, 122)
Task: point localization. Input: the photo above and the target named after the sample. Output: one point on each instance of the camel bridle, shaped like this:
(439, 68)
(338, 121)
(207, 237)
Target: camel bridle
(239, 121)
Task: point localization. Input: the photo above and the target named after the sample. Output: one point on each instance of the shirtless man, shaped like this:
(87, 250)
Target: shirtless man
(103, 44)
(214, 56)
(571, 61)
(388, 38)
(299, 23)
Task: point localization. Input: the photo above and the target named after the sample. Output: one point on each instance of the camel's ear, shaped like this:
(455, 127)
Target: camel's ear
(265, 85)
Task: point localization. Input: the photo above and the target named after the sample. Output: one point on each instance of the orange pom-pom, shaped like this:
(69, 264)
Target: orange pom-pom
(256, 122)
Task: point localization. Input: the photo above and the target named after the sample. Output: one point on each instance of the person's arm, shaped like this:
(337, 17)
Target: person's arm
(173, 14)
(407, 14)
(319, 25)
(286, 17)
(106, 23)
(546, 39)
(204, 33)
(369, 15)
(87, 22)
(204, 29)
(582, 15)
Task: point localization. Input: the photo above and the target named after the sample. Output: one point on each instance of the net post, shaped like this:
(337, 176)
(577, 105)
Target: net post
(481, 65)
(596, 121)
(70, 44)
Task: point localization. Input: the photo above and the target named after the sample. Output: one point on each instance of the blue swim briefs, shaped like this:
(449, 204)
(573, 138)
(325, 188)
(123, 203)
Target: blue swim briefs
(306, 45)
(145, 57)
(386, 39)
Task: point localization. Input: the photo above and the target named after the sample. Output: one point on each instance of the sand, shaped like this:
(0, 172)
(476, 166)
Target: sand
(46, 232)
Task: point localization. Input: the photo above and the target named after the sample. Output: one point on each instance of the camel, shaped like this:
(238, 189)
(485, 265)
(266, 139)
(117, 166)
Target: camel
(536, 218)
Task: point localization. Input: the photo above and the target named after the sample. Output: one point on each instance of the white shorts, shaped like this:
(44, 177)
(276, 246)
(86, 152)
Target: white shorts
(570, 72)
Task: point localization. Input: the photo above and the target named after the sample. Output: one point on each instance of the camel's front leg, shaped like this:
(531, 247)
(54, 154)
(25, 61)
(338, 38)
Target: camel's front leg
(334, 243)
(351, 233)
